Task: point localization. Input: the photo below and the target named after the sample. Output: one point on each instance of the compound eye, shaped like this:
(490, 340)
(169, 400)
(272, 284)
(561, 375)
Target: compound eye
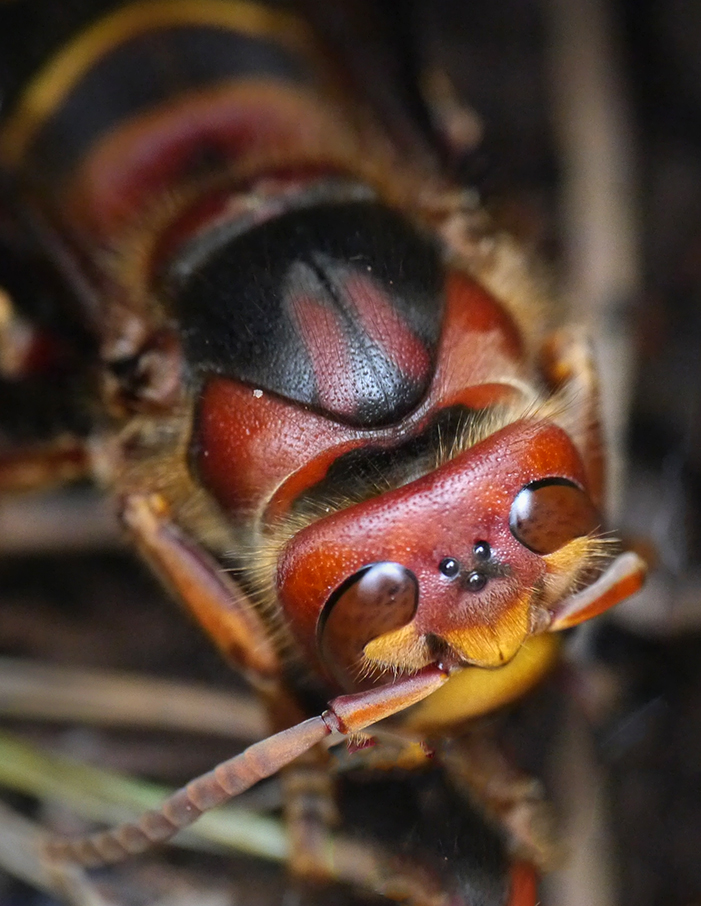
(549, 513)
(375, 600)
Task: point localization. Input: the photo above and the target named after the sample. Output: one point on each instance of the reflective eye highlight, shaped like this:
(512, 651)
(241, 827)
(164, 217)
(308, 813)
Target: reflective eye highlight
(482, 550)
(449, 567)
(476, 581)
(549, 513)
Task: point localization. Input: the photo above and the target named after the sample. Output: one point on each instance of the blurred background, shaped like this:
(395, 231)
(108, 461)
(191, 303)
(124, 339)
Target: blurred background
(579, 124)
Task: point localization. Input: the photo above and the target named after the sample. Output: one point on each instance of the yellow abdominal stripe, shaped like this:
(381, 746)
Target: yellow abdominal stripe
(54, 83)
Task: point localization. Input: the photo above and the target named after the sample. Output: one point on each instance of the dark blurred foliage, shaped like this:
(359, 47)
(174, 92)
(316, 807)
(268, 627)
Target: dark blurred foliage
(650, 737)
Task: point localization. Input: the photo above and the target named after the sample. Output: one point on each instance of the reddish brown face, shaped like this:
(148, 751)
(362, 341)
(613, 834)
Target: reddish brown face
(452, 568)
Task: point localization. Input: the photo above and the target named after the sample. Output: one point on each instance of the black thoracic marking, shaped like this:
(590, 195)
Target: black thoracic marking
(275, 307)
(148, 70)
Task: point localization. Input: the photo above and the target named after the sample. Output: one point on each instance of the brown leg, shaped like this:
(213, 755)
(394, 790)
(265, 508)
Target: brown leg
(222, 609)
(27, 350)
(310, 813)
(42, 467)
(214, 599)
(514, 800)
(372, 868)
(317, 854)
